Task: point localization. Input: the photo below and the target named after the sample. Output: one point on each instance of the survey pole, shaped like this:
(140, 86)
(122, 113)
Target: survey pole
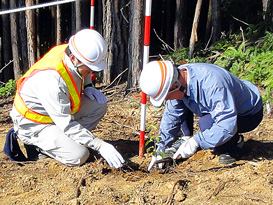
(147, 31)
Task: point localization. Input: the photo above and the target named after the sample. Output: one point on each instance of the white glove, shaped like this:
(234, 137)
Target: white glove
(110, 154)
(93, 93)
(156, 158)
(152, 163)
(187, 149)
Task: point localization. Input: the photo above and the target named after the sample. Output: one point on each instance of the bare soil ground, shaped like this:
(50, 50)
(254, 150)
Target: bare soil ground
(198, 180)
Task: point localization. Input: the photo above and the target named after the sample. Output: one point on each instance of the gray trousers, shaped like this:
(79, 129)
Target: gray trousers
(63, 148)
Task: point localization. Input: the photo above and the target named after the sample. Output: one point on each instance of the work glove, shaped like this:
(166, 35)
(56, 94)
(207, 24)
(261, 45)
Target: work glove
(186, 149)
(93, 93)
(155, 158)
(110, 154)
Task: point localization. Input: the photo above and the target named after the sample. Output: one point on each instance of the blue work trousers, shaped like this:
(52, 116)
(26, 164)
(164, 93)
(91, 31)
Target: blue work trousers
(244, 124)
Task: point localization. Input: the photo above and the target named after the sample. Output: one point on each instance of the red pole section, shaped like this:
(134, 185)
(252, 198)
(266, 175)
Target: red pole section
(92, 12)
(147, 29)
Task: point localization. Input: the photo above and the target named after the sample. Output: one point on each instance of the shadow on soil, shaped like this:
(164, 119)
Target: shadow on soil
(255, 150)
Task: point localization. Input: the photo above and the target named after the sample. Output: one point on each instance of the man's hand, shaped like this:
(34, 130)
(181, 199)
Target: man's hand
(186, 149)
(155, 158)
(93, 93)
(110, 154)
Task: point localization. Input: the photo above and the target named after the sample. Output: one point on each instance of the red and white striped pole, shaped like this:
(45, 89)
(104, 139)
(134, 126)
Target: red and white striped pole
(147, 29)
(92, 12)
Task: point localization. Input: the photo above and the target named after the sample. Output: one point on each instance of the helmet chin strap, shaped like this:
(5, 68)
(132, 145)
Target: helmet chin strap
(77, 70)
(72, 66)
(181, 88)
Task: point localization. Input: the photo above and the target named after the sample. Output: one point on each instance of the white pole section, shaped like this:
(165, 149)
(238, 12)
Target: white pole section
(92, 14)
(35, 6)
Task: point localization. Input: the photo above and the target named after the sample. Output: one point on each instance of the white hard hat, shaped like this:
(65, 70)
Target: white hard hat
(156, 79)
(89, 47)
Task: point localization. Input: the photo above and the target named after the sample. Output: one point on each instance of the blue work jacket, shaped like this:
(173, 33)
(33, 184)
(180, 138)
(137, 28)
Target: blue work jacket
(215, 91)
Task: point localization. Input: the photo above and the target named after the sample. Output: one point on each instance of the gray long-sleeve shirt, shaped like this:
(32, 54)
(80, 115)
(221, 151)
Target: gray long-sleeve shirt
(47, 93)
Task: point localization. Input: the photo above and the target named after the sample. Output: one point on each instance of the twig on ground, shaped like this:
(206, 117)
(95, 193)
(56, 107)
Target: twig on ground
(217, 54)
(115, 79)
(209, 39)
(135, 132)
(244, 48)
(170, 199)
(217, 189)
(164, 43)
(78, 192)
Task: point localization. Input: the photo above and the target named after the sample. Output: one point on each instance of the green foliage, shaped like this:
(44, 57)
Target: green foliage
(253, 63)
(151, 148)
(153, 140)
(8, 89)
(249, 58)
(180, 54)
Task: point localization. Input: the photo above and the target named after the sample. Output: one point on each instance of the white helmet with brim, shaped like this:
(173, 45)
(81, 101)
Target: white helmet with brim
(89, 47)
(156, 79)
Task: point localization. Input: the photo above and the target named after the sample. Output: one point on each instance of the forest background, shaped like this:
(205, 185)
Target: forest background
(235, 34)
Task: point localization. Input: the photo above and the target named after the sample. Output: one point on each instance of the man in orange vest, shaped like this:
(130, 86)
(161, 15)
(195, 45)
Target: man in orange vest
(55, 108)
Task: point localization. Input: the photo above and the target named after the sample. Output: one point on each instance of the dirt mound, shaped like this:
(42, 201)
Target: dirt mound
(198, 180)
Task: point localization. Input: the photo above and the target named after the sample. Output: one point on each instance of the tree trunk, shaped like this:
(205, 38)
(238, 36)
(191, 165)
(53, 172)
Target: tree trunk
(194, 36)
(213, 28)
(114, 26)
(73, 19)
(208, 25)
(78, 15)
(30, 24)
(38, 39)
(135, 43)
(58, 26)
(53, 26)
(215, 20)
(180, 30)
(23, 38)
(268, 10)
(14, 41)
(98, 18)
(265, 6)
(7, 73)
(107, 26)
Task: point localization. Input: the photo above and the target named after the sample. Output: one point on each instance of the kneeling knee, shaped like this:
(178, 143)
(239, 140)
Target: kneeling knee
(78, 158)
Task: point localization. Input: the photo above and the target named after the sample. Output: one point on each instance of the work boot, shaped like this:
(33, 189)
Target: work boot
(32, 152)
(170, 151)
(234, 153)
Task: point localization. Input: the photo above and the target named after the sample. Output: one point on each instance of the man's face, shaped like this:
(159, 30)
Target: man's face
(174, 92)
(82, 69)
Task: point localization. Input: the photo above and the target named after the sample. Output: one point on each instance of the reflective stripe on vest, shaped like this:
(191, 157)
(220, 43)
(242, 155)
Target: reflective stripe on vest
(53, 60)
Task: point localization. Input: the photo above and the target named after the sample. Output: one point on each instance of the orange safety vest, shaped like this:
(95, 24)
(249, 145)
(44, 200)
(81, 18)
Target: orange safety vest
(53, 60)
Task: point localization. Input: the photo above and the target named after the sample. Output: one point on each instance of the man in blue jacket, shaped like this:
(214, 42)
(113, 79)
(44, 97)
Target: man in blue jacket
(225, 104)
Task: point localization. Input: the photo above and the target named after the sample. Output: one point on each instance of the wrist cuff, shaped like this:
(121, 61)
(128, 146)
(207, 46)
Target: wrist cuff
(193, 142)
(89, 85)
(96, 144)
